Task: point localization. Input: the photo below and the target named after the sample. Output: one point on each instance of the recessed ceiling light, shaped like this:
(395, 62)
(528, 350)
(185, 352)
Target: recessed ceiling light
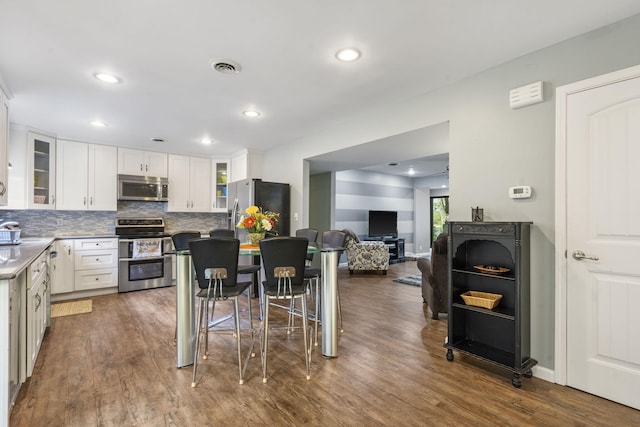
(98, 124)
(251, 113)
(411, 171)
(443, 186)
(348, 54)
(107, 78)
(206, 141)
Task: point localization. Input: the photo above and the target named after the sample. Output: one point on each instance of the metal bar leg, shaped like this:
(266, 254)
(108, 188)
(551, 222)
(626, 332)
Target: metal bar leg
(236, 307)
(265, 338)
(195, 361)
(305, 328)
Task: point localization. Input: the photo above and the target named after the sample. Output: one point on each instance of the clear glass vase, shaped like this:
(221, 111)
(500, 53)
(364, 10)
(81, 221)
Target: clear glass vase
(254, 238)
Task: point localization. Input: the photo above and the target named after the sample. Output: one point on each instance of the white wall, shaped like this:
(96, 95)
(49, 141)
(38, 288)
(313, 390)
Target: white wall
(491, 146)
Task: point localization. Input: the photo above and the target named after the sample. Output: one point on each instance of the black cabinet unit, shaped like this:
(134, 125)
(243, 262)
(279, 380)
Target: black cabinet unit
(396, 248)
(479, 253)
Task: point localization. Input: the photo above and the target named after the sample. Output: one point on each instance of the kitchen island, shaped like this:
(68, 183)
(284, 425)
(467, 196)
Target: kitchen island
(15, 260)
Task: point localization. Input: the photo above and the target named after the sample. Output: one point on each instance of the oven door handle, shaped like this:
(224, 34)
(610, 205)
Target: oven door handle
(151, 258)
(165, 239)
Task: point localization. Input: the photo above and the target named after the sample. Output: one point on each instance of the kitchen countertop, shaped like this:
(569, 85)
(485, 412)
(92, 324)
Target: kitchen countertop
(15, 258)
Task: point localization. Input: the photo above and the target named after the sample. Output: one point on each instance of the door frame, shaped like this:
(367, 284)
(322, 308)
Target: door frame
(562, 94)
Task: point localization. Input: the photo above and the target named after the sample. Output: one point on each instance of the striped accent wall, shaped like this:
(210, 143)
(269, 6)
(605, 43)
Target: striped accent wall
(357, 192)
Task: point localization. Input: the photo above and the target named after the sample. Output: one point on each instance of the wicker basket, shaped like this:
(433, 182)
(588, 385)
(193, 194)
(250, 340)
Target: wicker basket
(481, 299)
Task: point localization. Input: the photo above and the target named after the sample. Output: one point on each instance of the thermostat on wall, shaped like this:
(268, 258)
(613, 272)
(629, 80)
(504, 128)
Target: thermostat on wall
(520, 192)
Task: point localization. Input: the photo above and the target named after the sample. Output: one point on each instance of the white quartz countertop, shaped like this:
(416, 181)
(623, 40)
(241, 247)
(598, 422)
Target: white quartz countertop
(15, 258)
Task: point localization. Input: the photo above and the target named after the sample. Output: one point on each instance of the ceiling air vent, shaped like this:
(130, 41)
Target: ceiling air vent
(225, 66)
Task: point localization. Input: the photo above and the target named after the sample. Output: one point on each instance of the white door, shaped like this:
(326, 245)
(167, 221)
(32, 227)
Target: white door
(603, 240)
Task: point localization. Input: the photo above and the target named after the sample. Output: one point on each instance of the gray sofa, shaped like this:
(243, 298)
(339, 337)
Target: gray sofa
(435, 273)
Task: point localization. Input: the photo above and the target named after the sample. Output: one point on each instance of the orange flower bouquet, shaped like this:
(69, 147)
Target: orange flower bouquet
(257, 222)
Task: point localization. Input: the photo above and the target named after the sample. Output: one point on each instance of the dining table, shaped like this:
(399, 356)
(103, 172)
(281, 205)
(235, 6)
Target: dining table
(185, 300)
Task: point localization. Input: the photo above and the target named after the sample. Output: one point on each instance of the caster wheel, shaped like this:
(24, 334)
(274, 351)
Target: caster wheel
(528, 373)
(450, 355)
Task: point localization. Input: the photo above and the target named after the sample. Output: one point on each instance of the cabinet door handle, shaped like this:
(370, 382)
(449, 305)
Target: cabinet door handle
(4, 189)
(91, 200)
(141, 167)
(84, 202)
(579, 255)
(146, 168)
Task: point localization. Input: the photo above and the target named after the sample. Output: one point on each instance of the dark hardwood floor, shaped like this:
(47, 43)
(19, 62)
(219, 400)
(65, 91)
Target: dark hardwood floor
(116, 367)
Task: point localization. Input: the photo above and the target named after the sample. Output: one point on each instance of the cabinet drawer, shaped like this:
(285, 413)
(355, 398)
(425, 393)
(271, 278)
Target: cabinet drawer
(484, 229)
(37, 269)
(85, 260)
(89, 244)
(96, 279)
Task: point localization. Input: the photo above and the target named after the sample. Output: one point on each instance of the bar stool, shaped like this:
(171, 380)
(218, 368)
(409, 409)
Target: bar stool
(284, 260)
(313, 279)
(216, 265)
(254, 270)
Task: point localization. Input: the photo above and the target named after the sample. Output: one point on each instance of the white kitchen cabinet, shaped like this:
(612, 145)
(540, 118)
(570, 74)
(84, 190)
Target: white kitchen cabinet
(95, 264)
(86, 176)
(37, 301)
(189, 184)
(41, 171)
(62, 271)
(220, 169)
(245, 165)
(142, 163)
(4, 143)
(84, 267)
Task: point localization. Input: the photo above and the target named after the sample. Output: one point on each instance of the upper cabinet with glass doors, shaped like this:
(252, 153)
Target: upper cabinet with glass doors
(41, 173)
(221, 176)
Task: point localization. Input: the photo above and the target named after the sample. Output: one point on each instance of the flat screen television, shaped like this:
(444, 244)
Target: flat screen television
(383, 224)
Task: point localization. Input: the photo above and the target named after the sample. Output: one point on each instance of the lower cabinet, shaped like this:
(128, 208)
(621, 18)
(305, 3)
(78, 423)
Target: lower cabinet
(37, 306)
(85, 265)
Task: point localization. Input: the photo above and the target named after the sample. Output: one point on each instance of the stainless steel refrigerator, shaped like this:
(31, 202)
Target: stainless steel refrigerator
(270, 196)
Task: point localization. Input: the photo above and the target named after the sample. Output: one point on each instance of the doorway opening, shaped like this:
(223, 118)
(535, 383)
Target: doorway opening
(439, 215)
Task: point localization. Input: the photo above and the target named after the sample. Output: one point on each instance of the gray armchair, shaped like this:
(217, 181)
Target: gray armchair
(435, 274)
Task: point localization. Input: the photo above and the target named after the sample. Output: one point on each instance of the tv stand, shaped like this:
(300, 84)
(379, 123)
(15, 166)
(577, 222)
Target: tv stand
(396, 248)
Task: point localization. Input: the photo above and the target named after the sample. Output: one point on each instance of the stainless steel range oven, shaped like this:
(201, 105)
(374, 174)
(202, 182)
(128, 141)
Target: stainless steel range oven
(143, 261)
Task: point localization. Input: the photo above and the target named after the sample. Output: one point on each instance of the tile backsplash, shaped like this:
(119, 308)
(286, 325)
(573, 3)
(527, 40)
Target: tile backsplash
(44, 223)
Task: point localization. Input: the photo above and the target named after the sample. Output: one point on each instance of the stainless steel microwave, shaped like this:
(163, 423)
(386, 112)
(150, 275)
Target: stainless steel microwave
(145, 188)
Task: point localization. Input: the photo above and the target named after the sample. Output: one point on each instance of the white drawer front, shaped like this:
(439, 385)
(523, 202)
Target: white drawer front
(96, 259)
(96, 279)
(37, 269)
(88, 244)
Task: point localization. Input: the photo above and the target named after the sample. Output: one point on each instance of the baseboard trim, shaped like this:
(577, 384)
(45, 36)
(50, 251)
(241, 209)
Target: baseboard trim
(544, 373)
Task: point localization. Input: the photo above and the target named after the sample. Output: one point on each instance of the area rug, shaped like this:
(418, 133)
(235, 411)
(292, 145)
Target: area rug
(411, 280)
(71, 307)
